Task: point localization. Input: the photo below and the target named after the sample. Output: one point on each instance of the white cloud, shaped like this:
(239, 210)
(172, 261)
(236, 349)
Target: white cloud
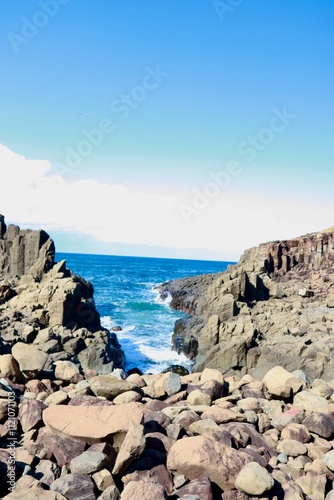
(32, 194)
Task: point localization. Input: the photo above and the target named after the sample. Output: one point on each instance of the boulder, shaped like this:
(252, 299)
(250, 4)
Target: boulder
(314, 487)
(207, 456)
(30, 414)
(34, 493)
(198, 397)
(66, 371)
(92, 423)
(63, 449)
(109, 386)
(199, 488)
(169, 383)
(89, 462)
(158, 474)
(30, 359)
(110, 493)
(9, 368)
(298, 432)
(75, 487)
(329, 460)
(309, 401)
(131, 449)
(103, 479)
(6, 292)
(143, 490)
(203, 426)
(47, 471)
(291, 448)
(320, 424)
(223, 415)
(280, 383)
(212, 374)
(254, 479)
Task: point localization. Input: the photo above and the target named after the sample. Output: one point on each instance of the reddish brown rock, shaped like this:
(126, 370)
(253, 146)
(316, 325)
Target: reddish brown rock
(144, 490)
(158, 474)
(64, 449)
(247, 434)
(320, 424)
(298, 432)
(206, 456)
(75, 487)
(213, 388)
(199, 487)
(30, 414)
(186, 418)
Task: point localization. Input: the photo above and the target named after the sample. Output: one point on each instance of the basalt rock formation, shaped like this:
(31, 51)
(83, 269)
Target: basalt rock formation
(275, 306)
(70, 428)
(47, 311)
(24, 252)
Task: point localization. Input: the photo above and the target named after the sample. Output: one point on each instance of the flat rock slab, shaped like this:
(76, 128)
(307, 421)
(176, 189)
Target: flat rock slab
(132, 447)
(109, 386)
(92, 424)
(35, 493)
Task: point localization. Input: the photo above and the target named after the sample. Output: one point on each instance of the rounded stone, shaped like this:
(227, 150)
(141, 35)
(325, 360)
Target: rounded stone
(329, 460)
(198, 397)
(254, 479)
(282, 458)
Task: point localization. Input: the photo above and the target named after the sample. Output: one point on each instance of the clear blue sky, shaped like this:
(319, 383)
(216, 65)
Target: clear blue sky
(226, 75)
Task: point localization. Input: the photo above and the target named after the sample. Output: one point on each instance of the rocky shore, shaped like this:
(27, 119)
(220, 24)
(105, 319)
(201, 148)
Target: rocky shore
(74, 425)
(274, 307)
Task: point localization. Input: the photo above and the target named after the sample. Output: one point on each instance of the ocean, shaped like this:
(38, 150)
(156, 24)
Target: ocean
(124, 295)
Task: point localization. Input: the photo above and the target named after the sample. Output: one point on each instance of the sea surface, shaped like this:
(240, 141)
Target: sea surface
(124, 295)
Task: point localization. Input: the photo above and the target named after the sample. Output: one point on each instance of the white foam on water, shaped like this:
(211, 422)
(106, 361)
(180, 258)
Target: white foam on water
(159, 300)
(140, 352)
(108, 322)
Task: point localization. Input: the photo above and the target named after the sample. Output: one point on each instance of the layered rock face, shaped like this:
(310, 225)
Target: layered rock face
(274, 307)
(24, 252)
(47, 310)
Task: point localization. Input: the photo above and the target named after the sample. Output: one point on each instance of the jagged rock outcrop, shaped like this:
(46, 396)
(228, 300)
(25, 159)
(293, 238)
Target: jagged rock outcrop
(275, 306)
(24, 251)
(43, 304)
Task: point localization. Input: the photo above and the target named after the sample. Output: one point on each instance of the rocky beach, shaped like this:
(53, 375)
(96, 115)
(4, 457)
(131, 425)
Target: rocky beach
(255, 418)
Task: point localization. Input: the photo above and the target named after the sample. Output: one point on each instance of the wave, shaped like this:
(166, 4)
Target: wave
(108, 322)
(166, 301)
(149, 354)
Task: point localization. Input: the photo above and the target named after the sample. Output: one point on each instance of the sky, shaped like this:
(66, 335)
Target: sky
(189, 128)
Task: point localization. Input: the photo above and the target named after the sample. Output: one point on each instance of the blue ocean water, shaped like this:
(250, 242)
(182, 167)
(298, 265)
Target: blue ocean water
(124, 296)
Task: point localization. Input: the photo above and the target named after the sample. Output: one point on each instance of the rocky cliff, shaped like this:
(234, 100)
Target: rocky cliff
(24, 252)
(275, 306)
(72, 427)
(48, 309)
